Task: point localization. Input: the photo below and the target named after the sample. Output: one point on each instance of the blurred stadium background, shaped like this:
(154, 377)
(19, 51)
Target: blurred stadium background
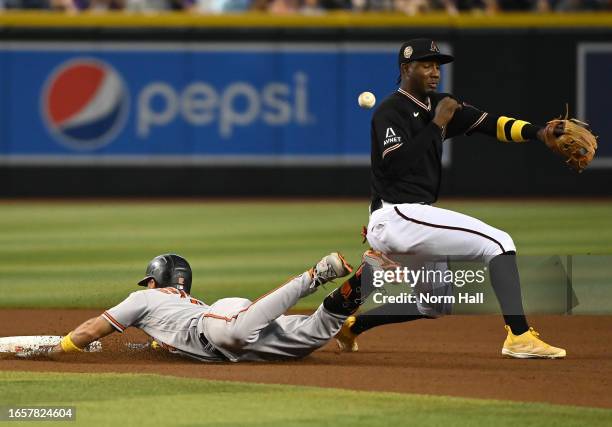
(307, 7)
(264, 103)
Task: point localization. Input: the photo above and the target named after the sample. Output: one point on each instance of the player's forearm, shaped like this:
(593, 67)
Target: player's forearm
(508, 129)
(76, 340)
(83, 335)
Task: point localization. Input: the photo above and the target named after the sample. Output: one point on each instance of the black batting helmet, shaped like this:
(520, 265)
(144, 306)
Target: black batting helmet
(169, 270)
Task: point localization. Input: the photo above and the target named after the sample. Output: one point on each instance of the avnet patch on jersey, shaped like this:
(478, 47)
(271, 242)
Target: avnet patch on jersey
(391, 137)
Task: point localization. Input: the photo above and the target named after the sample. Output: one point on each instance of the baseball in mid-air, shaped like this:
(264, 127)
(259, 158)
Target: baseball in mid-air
(366, 100)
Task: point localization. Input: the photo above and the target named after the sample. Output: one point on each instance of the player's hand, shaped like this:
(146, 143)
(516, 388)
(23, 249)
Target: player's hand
(445, 111)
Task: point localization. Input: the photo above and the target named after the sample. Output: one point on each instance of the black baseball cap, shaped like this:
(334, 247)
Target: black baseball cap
(421, 50)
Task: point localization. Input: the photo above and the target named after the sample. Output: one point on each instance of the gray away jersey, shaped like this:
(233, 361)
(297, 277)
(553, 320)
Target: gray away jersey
(168, 315)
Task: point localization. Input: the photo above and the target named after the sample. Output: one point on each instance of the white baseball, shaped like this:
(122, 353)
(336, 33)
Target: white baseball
(366, 100)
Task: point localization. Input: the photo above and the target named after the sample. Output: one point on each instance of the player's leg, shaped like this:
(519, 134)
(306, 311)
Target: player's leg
(294, 336)
(522, 341)
(297, 336)
(363, 279)
(234, 323)
(355, 325)
(427, 230)
(435, 231)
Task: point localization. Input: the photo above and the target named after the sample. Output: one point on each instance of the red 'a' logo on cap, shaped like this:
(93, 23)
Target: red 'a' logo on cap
(434, 47)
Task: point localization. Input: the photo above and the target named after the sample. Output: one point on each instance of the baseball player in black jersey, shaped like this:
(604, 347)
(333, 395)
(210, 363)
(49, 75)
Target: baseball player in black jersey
(408, 131)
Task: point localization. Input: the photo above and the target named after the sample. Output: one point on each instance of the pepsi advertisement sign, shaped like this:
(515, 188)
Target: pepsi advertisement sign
(191, 103)
(85, 103)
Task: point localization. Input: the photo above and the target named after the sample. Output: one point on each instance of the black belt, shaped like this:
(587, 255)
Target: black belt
(209, 348)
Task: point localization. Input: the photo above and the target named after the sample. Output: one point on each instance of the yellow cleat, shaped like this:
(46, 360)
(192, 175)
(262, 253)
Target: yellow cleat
(347, 340)
(529, 346)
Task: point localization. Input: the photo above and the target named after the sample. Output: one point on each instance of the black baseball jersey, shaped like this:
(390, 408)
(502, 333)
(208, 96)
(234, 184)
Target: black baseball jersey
(407, 147)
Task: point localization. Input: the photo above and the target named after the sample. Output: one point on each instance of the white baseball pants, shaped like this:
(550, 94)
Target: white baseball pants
(413, 228)
(255, 331)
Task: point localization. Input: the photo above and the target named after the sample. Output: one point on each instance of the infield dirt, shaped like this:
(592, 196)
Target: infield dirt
(454, 356)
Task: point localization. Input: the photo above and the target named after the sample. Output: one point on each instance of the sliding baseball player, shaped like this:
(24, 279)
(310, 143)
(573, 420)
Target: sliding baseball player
(231, 329)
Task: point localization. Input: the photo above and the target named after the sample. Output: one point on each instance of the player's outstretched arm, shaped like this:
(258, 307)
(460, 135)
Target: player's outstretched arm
(570, 138)
(84, 334)
(503, 128)
(508, 129)
(470, 119)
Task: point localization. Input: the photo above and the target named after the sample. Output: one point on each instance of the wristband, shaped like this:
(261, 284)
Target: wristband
(68, 345)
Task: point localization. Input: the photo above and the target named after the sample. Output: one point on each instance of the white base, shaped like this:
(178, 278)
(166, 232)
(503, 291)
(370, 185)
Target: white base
(35, 342)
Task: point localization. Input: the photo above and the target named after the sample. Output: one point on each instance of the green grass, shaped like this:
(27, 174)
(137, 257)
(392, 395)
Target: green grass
(136, 400)
(91, 254)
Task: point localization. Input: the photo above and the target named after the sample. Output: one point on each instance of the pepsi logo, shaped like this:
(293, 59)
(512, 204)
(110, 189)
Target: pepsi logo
(85, 103)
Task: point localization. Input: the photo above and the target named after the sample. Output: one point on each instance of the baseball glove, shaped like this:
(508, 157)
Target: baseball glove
(573, 140)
